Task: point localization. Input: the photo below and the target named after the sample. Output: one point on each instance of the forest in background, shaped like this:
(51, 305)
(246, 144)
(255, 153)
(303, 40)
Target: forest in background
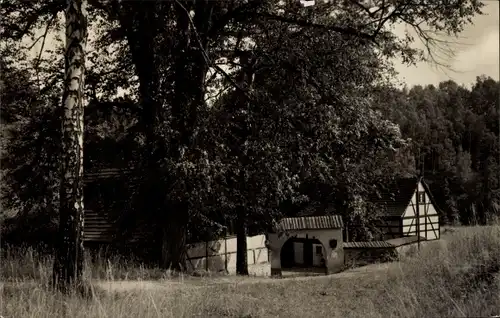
(306, 117)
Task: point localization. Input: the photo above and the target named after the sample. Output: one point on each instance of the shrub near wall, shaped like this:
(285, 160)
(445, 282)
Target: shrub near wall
(361, 257)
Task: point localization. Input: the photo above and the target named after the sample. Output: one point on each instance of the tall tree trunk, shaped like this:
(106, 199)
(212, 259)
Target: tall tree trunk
(174, 236)
(241, 244)
(142, 27)
(190, 72)
(245, 81)
(68, 264)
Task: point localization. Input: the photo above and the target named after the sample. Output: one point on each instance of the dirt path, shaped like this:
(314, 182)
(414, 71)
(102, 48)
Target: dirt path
(373, 270)
(122, 286)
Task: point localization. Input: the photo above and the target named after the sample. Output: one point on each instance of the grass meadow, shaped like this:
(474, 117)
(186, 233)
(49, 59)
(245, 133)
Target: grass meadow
(454, 277)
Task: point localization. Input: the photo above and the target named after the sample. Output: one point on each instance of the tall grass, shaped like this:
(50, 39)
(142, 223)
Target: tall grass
(456, 276)
(27, 263)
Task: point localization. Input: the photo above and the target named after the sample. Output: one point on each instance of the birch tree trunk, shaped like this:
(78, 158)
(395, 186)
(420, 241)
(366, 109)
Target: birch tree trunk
(68, 264)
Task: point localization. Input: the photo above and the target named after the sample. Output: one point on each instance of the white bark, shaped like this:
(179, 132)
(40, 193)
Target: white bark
(69, 258)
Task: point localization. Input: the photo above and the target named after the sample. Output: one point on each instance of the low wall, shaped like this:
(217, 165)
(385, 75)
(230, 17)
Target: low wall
(365, 256)
(220, 255)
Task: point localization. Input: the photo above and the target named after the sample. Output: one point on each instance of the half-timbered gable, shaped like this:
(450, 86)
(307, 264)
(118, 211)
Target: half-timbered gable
(409, 208)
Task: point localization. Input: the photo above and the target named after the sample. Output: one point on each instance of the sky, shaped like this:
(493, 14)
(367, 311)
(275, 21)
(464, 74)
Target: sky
(477, 54)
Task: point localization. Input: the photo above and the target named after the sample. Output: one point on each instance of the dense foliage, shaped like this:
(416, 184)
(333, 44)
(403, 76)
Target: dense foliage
(455, 133)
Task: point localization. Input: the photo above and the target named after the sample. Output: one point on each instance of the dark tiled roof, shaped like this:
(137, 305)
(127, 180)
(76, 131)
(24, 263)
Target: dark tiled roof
(366, 244)
(310, 223)
(397, 196)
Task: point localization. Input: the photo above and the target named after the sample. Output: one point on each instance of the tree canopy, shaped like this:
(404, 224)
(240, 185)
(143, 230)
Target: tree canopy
(254, 108)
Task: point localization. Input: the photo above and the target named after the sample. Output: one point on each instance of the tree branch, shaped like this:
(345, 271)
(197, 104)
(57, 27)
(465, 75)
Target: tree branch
(17, 33)
(205, 55)
(37, 63)
(96, 105)
(305, 23)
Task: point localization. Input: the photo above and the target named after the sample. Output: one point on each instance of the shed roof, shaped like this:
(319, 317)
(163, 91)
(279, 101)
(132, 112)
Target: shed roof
(310, 223)
(368, 244)
(392, 243)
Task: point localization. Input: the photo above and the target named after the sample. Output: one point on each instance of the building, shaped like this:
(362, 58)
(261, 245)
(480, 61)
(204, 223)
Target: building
(105, 199)
(314, 241)
(410, 210)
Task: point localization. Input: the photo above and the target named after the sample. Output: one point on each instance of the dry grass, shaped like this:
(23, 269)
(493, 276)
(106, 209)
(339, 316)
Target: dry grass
(447, 278)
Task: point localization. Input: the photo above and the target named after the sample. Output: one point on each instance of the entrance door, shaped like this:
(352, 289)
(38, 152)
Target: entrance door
(308, 253)
(318, 254)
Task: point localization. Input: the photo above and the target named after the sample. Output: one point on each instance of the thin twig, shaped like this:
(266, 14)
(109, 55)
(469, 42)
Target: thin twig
(37, 64)
(205, 55)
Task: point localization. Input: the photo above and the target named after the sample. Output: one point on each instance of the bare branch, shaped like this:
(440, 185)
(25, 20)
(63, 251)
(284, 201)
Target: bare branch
(37, 63)
(17, 33)
(205, 55)
(96, 105)
(305, 23)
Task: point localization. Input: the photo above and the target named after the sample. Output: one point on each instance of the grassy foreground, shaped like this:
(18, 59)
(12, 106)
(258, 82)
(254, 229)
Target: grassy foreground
(457, 276)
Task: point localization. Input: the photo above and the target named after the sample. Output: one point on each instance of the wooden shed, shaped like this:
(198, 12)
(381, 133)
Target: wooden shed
(410, 210)
(106, 200)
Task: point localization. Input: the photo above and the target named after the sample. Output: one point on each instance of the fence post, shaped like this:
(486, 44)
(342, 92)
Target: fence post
(225, 250)
(206, 256)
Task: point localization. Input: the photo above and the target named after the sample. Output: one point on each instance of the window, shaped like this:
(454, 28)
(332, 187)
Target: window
(421, 197)
(319, 250)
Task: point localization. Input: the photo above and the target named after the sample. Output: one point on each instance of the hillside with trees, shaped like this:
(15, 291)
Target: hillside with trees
(240, 112)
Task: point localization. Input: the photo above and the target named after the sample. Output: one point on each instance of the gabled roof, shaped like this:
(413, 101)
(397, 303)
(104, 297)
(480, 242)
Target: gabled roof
(397, 196)
(310, 223)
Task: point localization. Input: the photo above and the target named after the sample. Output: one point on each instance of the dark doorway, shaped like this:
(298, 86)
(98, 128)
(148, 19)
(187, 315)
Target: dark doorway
(301, 252)
(287, 254)
(308, 253)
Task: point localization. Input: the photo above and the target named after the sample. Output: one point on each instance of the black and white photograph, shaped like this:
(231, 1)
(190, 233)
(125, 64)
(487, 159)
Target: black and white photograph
(249, 158)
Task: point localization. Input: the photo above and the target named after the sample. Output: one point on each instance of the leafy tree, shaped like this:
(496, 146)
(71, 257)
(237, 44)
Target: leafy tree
(170, 53)
(455, 142)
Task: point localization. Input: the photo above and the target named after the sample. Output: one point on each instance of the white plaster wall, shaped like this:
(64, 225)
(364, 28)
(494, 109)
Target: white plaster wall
(409, 209)
(257, 255)
(430, 233)
(334, 258)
